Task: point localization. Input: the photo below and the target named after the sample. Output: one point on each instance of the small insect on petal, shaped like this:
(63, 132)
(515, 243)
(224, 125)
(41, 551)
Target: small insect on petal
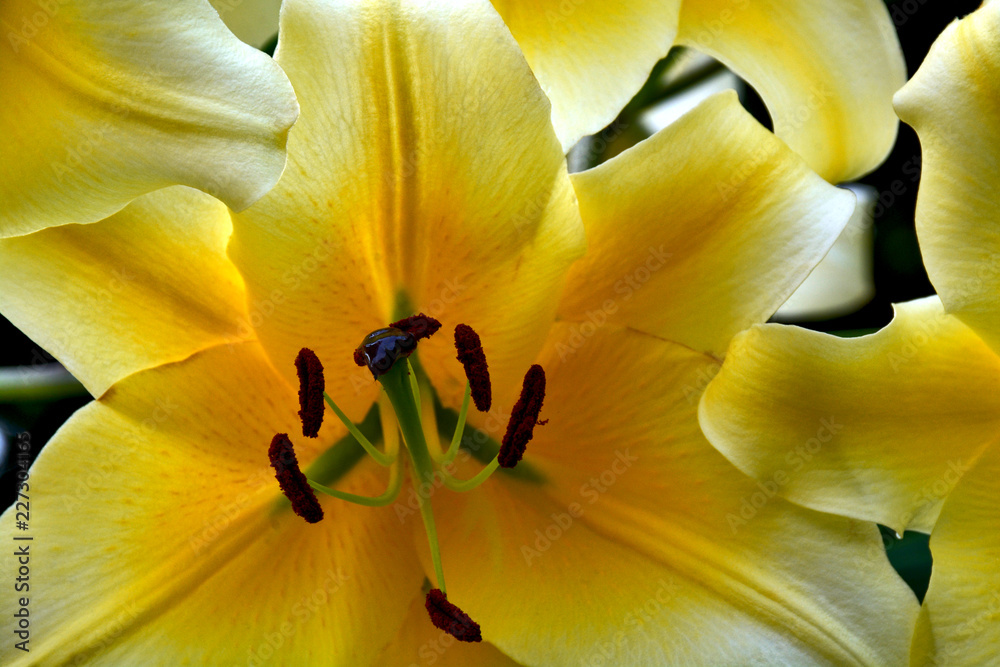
(382, 348)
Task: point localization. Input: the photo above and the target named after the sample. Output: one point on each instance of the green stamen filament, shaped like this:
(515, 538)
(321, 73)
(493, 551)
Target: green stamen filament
(463, 485)
(379, 457)
(456, 439)
(391, 491)
(390, 432)
(428, 417)
(417, 420)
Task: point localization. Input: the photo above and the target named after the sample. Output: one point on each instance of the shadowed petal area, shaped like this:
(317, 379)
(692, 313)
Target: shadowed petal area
(167, 540)
(645, 512)
(423, 170)
(696, 234)
(118, 98)
(958, 620)
(880, 427)
(590, 57)
(953, 102)
(149, 285)
(253, 21)
(826, 70)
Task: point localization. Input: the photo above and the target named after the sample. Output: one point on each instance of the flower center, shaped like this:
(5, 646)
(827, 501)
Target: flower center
(385, 353)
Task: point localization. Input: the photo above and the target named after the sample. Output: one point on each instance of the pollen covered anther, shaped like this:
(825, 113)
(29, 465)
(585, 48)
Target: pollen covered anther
(311, 388)
(291, 480)
(419, 326)
(523, 418)
(470, 353)
(446, 616)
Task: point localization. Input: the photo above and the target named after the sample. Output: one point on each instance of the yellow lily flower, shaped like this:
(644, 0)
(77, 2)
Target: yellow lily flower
(105, 101)
(830, 98)
(424, 170)
(918, 403)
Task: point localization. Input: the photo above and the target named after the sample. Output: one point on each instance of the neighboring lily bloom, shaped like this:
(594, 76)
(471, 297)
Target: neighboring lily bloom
(902, 427)
(424, 175)
(830, 97)
(826, 70)
(105, 101)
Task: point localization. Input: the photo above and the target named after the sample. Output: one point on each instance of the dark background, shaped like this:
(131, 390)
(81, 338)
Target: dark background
(899, 276)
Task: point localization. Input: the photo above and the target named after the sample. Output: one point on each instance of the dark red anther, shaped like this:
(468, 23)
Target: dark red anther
(311, 388)
(291, 480)
(470, 353)
(523, 418)
(419, 326)
(446, 616)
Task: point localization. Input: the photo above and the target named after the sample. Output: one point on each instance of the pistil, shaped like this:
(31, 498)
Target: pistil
(385, 352)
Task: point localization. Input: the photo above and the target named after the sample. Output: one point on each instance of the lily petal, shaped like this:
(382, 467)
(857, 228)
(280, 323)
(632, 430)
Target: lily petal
(844, 281)
(698, 234)
(879, 427)
(952, 102)
(167, 540)
(424, 170)
(117, 296)
(831, 98)
(643, 518)
(109, 100)
(590, 57)
(958, 620)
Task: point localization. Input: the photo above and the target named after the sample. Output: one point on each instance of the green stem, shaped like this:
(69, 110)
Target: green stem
(396, 383)
(38, 383)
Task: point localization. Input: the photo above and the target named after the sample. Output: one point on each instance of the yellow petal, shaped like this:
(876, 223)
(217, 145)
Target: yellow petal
(826, 71)
(424, 165)
(149, 285)
(844, 281)
(953, 102)
(647, 547)
(696, 234)
(958, 621)
(879, 427)
(420, 643)
(107, 101)
(164, 544)
(253, 21)
(590, 57)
